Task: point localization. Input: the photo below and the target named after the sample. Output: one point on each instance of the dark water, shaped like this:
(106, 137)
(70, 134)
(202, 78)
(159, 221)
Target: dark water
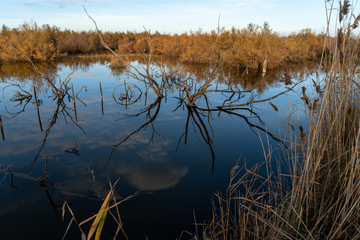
(175, 156)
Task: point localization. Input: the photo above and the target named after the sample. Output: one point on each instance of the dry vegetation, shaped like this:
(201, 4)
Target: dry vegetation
(252, 47)
(319, 196)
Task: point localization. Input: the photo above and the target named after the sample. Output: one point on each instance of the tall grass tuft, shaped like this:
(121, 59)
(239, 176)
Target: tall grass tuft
(319, 196)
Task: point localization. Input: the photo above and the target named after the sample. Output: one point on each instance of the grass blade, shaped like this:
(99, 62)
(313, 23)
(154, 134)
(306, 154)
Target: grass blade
(101, 224)
(103, 210)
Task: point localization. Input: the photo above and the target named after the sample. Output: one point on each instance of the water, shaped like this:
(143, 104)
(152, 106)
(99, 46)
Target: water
(174, 157)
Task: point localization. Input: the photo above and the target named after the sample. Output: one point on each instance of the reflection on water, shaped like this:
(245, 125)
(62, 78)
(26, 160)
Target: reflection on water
(170, 129)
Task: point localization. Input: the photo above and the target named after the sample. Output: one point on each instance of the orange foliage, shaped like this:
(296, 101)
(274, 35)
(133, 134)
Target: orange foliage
(251, 47)
(38, 43)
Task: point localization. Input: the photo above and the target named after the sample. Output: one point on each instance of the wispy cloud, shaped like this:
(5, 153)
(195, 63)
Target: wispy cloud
(32, 3)
(139, 2)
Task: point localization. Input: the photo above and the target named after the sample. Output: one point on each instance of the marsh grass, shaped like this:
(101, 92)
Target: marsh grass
(319, 195)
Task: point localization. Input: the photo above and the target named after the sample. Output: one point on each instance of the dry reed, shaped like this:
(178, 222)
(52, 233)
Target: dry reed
(319, 196)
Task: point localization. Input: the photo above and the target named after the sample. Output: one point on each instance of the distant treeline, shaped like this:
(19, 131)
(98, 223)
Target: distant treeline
(250, 47)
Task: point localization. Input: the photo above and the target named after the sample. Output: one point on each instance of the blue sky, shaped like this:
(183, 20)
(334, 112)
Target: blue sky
(170, 16)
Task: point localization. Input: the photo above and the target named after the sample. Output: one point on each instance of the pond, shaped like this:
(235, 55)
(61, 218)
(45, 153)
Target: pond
(69, 133)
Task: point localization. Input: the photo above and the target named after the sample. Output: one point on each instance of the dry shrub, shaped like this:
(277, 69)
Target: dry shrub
(251, 47)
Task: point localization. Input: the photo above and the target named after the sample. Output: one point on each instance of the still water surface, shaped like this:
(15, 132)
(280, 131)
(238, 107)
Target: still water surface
(175, 156)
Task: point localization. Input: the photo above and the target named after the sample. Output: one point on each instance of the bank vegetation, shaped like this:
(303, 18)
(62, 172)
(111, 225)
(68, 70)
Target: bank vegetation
(254, 47)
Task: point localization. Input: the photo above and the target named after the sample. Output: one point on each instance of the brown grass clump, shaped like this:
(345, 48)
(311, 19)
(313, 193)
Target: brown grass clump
(319, 196)
(117, 64)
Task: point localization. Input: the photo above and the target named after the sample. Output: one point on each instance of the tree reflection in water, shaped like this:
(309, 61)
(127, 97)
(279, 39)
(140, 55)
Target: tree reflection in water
(191, 92)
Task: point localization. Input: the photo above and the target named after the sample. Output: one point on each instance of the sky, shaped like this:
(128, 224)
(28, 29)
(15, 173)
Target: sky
(166, 16)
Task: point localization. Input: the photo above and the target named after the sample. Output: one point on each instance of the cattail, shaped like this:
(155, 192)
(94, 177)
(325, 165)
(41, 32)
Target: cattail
(274, 106)
(319, 91)
(302, 133)
(340, 37)
(317, 88)
(314, 83)
(305, 97)
(303, 90)
(356, 22)
(314, 104)
(344, 10)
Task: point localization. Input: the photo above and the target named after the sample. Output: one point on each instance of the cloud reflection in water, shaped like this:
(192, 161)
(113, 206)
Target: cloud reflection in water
(154, 170)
